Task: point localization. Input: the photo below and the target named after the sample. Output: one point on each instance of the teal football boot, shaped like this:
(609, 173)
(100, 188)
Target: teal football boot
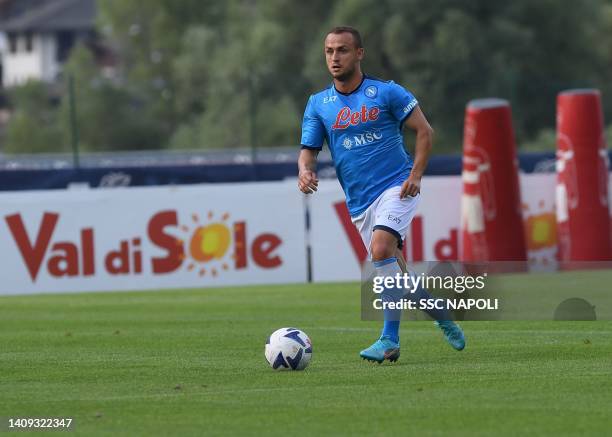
(452, 333)
(383, 349)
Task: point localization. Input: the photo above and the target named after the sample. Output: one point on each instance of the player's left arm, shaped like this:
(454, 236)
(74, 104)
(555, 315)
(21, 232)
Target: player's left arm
(424, 142)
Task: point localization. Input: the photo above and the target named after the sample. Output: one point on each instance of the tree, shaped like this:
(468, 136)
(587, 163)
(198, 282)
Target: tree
(33, 126)
(210, 74)
(109, 116)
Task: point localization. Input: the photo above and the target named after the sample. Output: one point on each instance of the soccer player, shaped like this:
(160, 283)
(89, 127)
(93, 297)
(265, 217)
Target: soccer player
(362, 118)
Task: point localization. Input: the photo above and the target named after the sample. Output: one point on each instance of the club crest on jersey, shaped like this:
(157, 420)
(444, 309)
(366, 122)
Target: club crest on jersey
(346, 117)
(371, 91)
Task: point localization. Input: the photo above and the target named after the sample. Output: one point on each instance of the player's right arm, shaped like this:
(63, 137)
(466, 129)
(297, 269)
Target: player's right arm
(313, 134)
(307, 165)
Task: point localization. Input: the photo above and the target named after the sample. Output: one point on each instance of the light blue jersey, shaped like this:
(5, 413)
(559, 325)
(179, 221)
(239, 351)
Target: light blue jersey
(363, 132)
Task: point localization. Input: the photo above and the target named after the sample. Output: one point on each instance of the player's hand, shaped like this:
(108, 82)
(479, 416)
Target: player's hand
(308, 182)
(411, 187)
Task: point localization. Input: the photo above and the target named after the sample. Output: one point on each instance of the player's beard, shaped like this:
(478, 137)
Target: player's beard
(346, 75)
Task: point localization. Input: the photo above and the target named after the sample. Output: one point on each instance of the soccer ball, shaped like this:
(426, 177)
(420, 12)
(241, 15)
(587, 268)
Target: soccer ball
(288, 349)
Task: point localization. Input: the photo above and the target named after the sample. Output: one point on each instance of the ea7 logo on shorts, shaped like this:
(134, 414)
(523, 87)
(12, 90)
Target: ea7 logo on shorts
(394, 219)
(329, 99)
(346, 117)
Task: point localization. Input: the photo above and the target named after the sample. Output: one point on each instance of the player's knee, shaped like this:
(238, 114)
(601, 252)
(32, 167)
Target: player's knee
(382, 250)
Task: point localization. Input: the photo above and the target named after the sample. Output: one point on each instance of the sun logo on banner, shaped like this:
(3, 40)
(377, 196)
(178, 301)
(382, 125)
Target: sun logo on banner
(208, 243)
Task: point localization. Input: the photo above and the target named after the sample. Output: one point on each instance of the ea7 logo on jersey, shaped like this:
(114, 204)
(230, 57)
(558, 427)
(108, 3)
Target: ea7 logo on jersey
(346, 117)
(329, 99)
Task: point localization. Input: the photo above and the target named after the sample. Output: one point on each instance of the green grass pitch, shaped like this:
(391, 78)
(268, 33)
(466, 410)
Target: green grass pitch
(191, 362)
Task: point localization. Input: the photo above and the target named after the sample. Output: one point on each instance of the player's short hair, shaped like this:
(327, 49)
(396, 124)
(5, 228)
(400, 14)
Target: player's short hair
(347, 29)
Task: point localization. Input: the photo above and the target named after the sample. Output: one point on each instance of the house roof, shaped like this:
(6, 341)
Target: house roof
(50, 15)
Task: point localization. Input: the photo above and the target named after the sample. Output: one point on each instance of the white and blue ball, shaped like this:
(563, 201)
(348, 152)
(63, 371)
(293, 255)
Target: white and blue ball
(288, 349)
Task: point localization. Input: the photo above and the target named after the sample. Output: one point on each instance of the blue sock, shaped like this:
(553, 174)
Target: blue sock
(390, 267)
